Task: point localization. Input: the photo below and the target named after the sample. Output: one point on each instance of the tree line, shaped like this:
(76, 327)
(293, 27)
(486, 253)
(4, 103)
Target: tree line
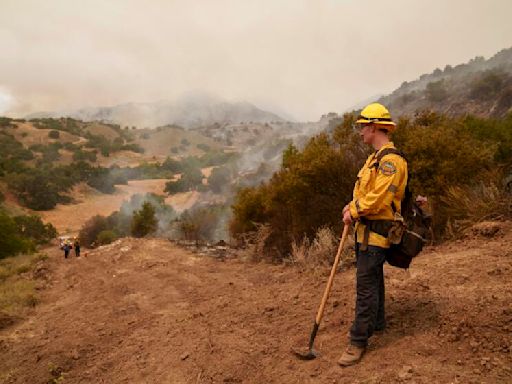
(452, 160)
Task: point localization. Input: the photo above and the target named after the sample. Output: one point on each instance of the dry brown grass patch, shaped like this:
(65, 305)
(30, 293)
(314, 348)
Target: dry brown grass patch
(17, 288)
(322, 250)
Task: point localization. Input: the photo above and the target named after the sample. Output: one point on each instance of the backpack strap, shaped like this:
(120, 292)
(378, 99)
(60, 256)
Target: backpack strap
(388, 151)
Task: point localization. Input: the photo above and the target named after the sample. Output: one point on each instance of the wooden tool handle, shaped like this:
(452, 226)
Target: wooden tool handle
(320, 312)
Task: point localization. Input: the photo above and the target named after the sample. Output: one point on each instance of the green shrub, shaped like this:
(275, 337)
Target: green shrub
(106, 237)
(11, 242)
(91, 229)
(70, 146)
(219, 179)
(12, 152)
(36, 189)
(80, 155)
(101, 180)
(308, 192)
(144, 221)
(203, 147)
(54, 134)
(190, 179)
(198, 223)
(444, 152)
(121, 221)
(172, 165)
(33, 228)
(101, 143)
(494, 133)
(213, 158)
(51, 154)
(49, 123)
(133, 147)
(441, 152)
(249, 209)
(487, 85)
(5, 122)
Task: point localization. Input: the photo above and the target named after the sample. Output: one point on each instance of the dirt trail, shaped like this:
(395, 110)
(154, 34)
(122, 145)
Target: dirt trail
(145, 311)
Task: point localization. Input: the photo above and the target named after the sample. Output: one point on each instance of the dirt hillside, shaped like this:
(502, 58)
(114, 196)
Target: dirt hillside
(146, 311)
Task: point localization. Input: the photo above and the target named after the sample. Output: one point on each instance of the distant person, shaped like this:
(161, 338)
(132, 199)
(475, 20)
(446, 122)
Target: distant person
(66, 247)
(77, 248)
(377, 198)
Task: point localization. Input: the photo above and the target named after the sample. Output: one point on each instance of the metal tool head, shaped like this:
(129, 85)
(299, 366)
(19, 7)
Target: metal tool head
(305, 354)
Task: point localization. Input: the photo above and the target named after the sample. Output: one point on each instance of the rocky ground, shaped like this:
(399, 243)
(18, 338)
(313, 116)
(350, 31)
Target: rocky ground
(148, 311)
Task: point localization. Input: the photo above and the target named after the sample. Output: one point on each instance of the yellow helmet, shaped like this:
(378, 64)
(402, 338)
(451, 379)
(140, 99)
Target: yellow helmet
(376, 113)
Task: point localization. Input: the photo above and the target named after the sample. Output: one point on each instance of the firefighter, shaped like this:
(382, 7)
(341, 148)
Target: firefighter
(66, 248)
(77, 247)
(378, 191)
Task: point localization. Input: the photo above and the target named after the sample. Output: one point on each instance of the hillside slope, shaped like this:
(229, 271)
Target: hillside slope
(173, 141)
(479, 87)
(145, 311)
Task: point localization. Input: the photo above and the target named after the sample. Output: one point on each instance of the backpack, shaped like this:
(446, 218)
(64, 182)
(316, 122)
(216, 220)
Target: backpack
(413, 229)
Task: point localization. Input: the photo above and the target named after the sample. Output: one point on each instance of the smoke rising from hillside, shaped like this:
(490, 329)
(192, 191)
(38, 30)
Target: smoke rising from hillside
(5, 101)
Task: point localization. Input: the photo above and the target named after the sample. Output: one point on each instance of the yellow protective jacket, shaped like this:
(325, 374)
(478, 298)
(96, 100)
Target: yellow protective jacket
(376, 190)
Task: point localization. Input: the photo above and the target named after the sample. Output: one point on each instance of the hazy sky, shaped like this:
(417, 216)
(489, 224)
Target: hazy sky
(304, 58)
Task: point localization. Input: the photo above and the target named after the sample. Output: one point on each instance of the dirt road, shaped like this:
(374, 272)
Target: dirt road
(145, 311)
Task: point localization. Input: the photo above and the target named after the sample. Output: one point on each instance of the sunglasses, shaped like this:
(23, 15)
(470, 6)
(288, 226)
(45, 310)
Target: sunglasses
(358, 127)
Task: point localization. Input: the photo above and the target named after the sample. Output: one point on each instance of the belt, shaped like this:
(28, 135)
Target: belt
(380, 227)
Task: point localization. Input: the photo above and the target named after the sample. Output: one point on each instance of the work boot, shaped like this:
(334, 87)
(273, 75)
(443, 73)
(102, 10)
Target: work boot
(351, 356)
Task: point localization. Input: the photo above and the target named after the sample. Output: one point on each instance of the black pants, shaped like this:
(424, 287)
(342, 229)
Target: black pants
(370, 295)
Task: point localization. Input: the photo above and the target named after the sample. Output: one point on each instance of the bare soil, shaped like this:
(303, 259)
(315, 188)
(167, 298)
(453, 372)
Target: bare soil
(146, 311)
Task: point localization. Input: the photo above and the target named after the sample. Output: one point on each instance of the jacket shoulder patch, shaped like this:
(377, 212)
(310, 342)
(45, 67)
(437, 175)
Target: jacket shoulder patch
(387, 168)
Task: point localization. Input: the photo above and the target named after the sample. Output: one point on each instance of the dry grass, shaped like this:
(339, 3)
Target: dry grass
(28, 135)
(17, 296)
(321, 251)
(469, 205)
(17, 289)
(255, 243)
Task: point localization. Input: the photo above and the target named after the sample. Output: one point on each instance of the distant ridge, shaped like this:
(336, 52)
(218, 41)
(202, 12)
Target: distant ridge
(479, 87)
(190, 112)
